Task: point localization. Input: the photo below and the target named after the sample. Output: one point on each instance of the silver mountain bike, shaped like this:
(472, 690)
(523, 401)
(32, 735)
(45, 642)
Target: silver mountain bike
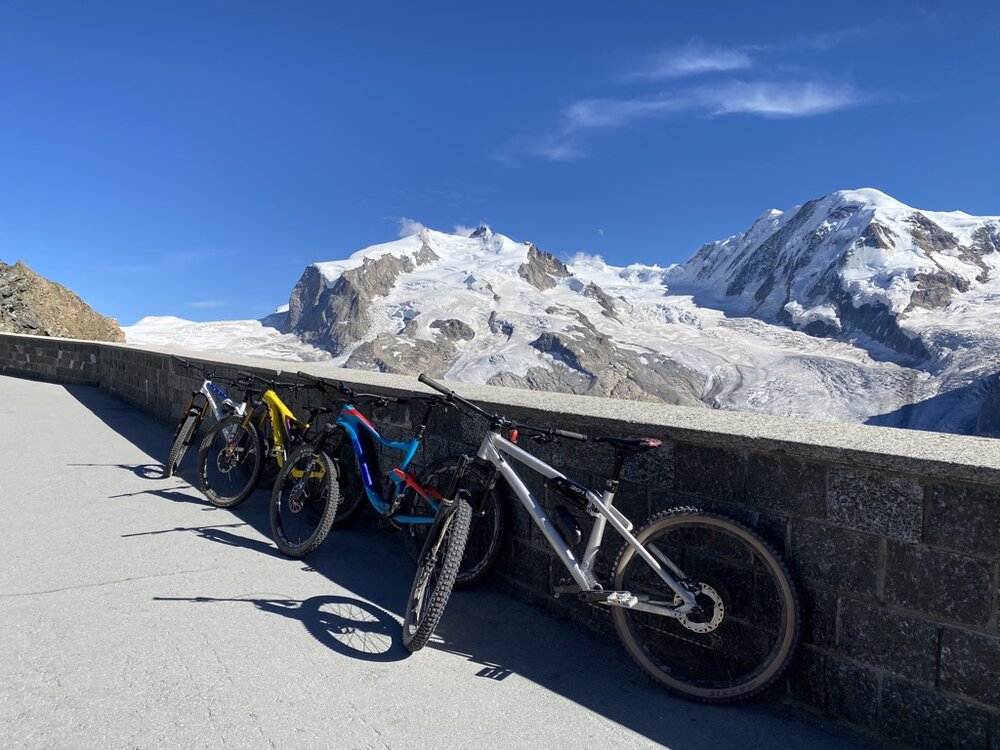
(209, 398)
(701, 602)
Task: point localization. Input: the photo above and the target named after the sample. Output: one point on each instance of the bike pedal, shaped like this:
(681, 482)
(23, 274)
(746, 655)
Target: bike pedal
(614, 598)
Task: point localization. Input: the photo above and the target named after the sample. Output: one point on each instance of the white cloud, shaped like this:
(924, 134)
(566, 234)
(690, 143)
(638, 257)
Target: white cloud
(409, 226)
(464, 230)
(693, 58)
(209, 303)
(777, 99)
(600, 232)
(763, 98)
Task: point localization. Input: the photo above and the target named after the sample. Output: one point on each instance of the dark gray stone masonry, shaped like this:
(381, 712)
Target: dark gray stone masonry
(893, 536)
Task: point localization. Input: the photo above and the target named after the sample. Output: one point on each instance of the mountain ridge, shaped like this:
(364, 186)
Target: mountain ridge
(852, 306)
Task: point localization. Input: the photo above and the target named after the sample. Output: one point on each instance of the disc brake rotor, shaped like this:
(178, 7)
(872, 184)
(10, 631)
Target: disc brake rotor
(703, 624)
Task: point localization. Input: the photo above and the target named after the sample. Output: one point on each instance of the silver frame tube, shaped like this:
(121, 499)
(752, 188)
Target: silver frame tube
(490, 450)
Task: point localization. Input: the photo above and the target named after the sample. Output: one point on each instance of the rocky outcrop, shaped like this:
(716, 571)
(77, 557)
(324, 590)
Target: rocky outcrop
(454, 330)
(32, 304)
(540, 268)
(338, 316)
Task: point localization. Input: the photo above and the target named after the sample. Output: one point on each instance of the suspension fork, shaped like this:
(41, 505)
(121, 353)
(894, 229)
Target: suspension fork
(446, 509)
(479, 509)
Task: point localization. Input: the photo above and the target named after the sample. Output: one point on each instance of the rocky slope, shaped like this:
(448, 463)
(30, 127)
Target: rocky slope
(920, 288)
(851, 307)
(32, 304)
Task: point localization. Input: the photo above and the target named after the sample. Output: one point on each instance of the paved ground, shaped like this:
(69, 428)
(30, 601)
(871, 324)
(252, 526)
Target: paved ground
(134, 615)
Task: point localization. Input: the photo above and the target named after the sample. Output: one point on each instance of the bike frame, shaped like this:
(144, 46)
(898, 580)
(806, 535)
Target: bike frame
(355, 424)
(282, 420)
(209, 390)
(493, 449)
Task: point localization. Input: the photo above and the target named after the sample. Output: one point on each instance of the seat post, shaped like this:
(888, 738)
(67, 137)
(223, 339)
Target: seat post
(616, 472)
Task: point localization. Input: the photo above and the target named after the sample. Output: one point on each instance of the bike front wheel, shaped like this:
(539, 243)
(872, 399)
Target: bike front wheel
(229, 462)
(436, 573)
(183, 437)
(304, 501)
(489, 517)
(746, 632)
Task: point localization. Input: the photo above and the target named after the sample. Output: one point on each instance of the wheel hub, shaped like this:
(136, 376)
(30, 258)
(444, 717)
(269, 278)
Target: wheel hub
(296, 500)
(227, 459)
(710, 615)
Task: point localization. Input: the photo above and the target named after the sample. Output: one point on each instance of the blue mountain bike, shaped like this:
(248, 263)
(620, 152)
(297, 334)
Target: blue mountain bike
(351, 445)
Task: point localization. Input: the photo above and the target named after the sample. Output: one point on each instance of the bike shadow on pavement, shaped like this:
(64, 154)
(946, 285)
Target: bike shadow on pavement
(502, 638)
(348, 626)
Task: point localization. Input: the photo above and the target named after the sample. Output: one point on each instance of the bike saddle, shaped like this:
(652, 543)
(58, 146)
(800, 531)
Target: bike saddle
(632, 445)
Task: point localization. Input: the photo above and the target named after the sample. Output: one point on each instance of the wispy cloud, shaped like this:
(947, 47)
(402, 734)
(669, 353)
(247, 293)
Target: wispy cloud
(762, 98)
(769, 99)
(409, 226)
(694, 58)
(772, 95)
(208, 303)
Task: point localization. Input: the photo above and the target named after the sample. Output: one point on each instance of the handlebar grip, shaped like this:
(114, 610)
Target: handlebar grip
(244, 374)
(570, 435)
(434, 384)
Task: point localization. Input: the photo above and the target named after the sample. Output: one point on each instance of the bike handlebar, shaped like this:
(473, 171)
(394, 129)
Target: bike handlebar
(349, 392)
(250, 377)
(450, 395)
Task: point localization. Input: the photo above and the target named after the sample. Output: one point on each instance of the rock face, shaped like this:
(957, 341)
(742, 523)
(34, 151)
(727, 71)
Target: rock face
(853, 265)
(32, 304)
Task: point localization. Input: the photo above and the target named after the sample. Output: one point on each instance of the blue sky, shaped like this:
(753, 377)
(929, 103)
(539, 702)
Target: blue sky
(190, 158)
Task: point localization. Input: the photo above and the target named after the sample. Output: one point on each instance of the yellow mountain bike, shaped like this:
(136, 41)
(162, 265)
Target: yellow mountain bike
(234, 451)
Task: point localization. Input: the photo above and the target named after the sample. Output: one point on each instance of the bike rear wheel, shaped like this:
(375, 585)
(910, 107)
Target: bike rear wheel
(435, 577)
(229, 462)
(304, 501)
(183, 437)
(747, 632)
(489, 525)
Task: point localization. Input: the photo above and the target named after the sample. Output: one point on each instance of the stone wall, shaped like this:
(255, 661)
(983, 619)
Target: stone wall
(893, 536)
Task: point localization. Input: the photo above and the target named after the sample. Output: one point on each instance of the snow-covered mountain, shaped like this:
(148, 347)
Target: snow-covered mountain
(852, 307)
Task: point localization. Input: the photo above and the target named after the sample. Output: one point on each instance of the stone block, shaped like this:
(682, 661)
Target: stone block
(632, 499)
(532, 567)
(709, 472)
(923, 718)
(772, 528)
(787, 485)
(877, 502)
(905, 646)
(955, 587)
(654, 468)
(840, 558)
(966, 519)
(836, 687)
(819, 616)
(970, 665)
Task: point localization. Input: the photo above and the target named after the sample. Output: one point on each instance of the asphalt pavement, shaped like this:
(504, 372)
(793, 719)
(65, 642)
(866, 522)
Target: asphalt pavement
(135, 615)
